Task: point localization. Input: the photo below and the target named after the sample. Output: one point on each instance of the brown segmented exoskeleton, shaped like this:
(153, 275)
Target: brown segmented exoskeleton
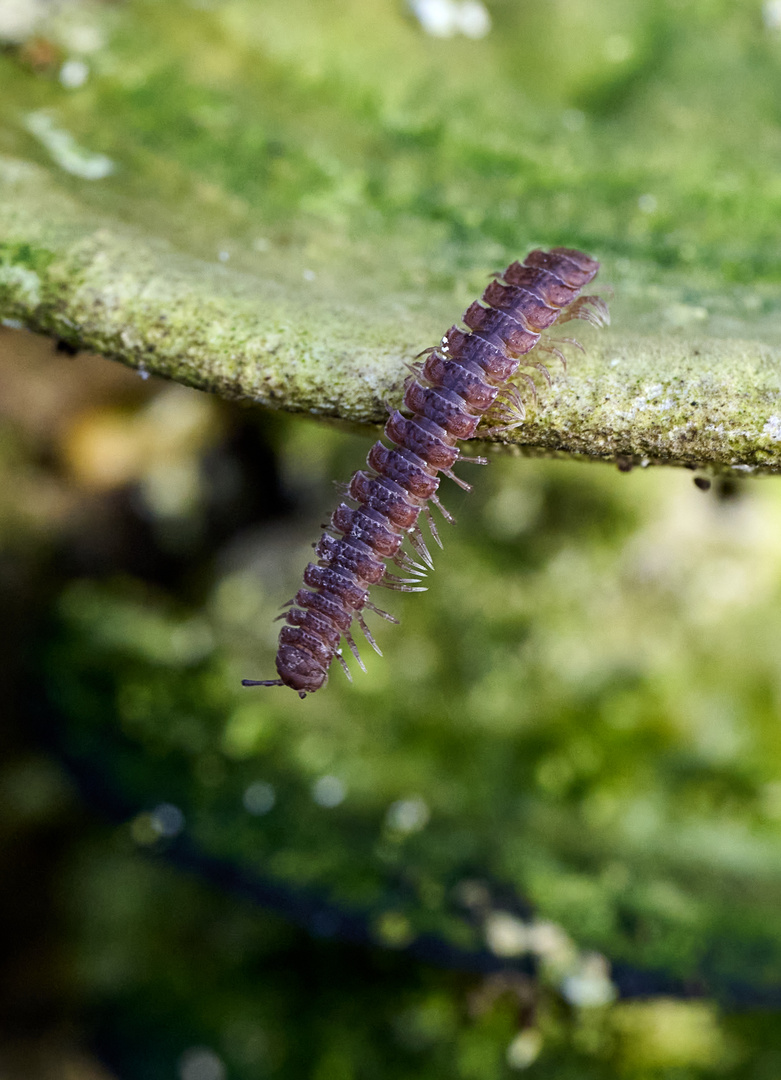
(467, 378)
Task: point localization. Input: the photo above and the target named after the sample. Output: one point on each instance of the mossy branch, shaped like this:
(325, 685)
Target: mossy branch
(714, 403)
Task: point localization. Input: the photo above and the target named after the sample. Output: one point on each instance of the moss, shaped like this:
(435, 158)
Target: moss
(297, 206)
(36, 260)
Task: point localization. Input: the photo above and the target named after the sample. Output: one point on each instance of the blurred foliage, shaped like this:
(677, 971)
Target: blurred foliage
(352, 127)
(560, 783)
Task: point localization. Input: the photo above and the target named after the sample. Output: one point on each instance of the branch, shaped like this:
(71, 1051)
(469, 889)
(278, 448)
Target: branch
(292, 345)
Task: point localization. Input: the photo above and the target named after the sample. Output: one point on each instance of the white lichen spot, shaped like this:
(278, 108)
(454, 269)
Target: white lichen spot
(309, 275)
(24, 284)
(550, 942)
(435, 17)
(589, 985)
(65, 151)
(771, 15)
(73, 74)
(81, 37)
(223, 256)
(772, 428)
(446, 18)
(408, 815)
(19, 19)
(525, 1048)
(474, 21)
(259, 798)
(647, 203)
(328, 791)
(505, 934)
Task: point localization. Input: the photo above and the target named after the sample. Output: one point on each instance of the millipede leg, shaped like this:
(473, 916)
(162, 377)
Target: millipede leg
(444, 512)
(456, 479)
(368, 633)
(432, 526)
(599, 307)
(419, 544)
(501, 429)
(391, 581)
(354, 649)
(383, 614)
(396, 587)
(544, 372)
(550, 348)
(568, 341)
(592, 309)
(410, 565)
(508, 413)
(532, 385)
(515, 403)
(343, 662)
(394, 578)
(406, 562)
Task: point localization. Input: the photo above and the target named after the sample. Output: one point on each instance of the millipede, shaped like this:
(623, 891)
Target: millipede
(473, 375)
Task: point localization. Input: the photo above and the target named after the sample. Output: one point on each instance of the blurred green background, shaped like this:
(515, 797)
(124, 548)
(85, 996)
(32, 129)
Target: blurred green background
(543, 832)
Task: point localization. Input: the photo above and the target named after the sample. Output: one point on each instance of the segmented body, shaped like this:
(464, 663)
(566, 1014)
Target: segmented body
(461, 382)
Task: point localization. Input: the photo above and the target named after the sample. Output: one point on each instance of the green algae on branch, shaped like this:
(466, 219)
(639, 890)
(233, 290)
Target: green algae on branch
(289, 343)
(361, 179)
(107, 289)
(707, 402)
